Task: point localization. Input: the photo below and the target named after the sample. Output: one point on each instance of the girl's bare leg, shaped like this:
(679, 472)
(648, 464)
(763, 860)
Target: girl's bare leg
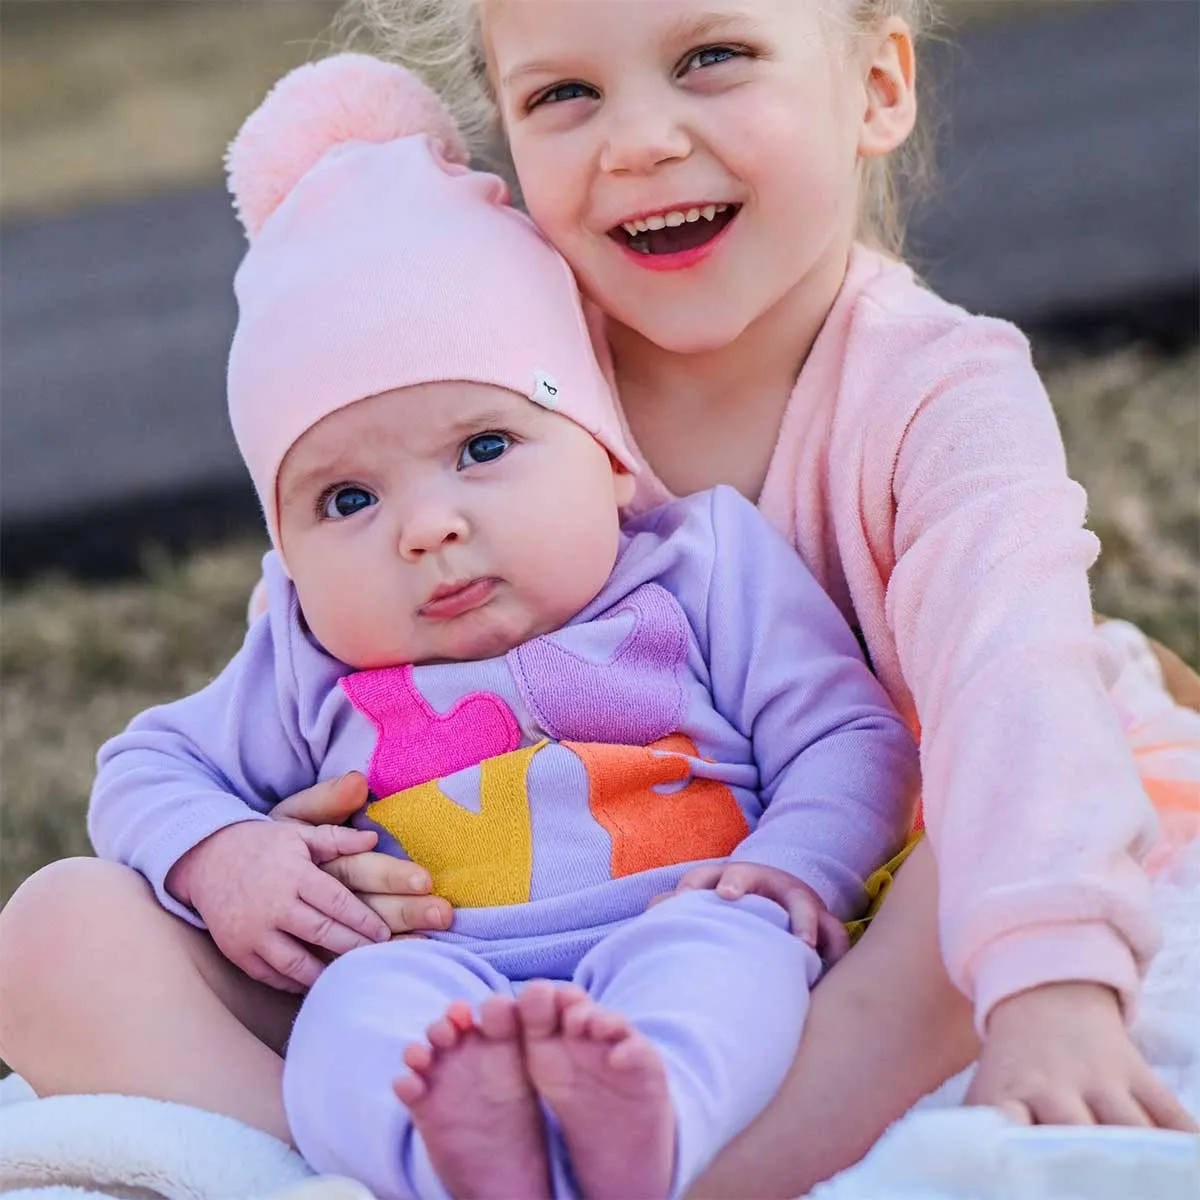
(885, 1027)
(1179, 679)
(102, 990)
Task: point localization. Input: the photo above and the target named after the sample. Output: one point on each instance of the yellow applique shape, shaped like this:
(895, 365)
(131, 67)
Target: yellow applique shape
(477, 860)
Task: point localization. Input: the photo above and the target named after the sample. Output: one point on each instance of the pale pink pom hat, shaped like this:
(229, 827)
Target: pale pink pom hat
(378, 260)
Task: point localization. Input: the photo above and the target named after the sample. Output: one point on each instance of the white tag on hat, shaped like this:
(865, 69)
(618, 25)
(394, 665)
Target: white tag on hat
(545, 390)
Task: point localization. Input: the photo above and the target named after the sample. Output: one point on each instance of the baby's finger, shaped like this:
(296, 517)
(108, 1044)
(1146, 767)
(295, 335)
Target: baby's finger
(833, 942)
(291, 959)
(1161, 1106)
(325, 894)
(327, 842)
(737, 879)
(379, 873)
(263, 972)
(319, 929)
(699, 879)
(410, 914)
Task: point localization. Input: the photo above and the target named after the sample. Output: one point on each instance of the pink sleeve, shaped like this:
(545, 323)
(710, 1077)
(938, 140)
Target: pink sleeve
(1032, 798)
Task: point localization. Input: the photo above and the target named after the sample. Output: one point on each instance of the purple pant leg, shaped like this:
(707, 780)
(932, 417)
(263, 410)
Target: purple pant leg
(345, 1051)
(721, 988)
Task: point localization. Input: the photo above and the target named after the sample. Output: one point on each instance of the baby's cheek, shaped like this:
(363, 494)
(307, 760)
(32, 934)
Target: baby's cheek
(351, 627)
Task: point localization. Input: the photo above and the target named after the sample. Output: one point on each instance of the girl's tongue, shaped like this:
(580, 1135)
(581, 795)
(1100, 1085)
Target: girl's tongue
(678, 237)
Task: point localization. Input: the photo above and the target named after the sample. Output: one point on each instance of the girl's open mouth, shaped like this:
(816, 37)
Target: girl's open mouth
(675, 232)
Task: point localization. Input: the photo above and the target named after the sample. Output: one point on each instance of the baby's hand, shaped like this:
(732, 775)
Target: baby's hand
(261, 891)
(811, 921)
(1060, 1055)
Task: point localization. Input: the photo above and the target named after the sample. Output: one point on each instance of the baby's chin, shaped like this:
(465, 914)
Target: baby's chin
(460, 641)
(501, 625)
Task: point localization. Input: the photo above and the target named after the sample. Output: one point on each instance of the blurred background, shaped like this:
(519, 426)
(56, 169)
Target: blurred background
(1068, 140)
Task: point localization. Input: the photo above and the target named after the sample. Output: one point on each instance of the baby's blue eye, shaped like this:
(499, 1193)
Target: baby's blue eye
(483, 448)
(346, 501)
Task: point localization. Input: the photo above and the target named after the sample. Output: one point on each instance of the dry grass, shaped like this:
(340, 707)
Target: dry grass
(78, 662)
(111, 98)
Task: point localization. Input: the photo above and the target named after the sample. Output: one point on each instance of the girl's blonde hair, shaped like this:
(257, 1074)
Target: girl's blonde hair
(441, 40)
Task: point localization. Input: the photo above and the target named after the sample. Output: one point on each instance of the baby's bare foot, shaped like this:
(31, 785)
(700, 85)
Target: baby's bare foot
(473, 1104)
(607, 1086)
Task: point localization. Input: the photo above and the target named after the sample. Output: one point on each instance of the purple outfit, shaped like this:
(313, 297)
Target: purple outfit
(710, 703)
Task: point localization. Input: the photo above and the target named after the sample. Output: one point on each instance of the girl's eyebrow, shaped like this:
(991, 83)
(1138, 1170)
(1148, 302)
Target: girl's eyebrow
(524, 70)
(702, 26)
(697, 27)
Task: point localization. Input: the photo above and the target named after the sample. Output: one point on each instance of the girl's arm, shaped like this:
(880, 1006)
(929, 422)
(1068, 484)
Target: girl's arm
(1032, 798)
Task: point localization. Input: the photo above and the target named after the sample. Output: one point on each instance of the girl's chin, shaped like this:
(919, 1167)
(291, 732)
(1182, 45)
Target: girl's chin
(680, 335)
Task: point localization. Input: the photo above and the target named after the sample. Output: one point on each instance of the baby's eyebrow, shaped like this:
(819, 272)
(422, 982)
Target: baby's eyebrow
(309, 482)
(484, 419)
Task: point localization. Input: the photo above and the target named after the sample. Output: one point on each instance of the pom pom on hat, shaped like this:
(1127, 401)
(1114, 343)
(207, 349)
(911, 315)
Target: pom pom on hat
(317, 107)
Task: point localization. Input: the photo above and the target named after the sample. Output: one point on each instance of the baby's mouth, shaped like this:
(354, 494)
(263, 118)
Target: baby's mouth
(675, 231)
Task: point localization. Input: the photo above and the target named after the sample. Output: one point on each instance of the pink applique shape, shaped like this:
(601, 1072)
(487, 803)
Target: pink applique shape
(417, 744)
(634, 696)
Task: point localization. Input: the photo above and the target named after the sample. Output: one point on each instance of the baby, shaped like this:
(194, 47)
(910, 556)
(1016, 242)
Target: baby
(561, 717)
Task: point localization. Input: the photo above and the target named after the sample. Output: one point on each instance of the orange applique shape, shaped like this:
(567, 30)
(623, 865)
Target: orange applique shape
(650, 829)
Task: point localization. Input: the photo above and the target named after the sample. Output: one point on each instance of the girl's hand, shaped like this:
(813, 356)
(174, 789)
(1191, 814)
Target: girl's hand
(396, 889)
(1060, 1055)
(811, 921)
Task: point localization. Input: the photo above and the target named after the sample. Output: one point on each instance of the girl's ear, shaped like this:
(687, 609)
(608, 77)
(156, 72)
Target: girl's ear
(891, 89)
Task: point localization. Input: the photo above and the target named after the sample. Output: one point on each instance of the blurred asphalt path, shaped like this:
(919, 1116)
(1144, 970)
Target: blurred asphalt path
(1069, 180)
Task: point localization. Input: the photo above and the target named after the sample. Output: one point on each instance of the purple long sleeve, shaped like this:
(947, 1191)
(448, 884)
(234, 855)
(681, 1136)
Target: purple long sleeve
(182, 771)
(838, 768)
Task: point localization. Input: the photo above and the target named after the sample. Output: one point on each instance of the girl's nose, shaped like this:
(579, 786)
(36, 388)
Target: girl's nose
(641, 136)
(432, 528)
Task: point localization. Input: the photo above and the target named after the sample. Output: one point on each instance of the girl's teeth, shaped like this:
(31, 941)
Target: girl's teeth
(672, 219)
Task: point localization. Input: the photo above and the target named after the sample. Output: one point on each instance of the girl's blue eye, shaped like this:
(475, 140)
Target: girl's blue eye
(562, 92)
(483, 448)
(711, 56)
(346, 501)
